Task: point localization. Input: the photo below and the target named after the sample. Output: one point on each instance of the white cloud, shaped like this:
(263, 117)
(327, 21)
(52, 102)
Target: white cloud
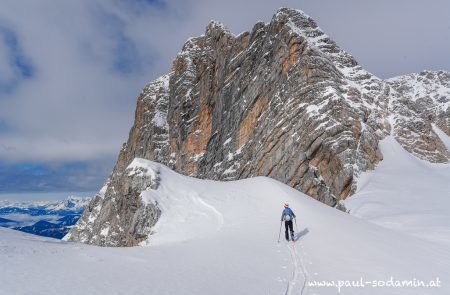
(91, 58)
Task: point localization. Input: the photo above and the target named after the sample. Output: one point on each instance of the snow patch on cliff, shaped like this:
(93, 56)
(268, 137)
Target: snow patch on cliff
(443, 136)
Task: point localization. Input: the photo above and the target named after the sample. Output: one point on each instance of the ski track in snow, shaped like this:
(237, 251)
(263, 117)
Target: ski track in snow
(291, 283)
(304, 272)
(298, 267)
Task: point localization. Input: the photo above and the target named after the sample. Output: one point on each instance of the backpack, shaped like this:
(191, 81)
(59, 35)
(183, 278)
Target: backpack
(287, 214)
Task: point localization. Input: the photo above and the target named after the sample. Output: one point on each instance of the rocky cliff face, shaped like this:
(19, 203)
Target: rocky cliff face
(283, 101)
(418, 102)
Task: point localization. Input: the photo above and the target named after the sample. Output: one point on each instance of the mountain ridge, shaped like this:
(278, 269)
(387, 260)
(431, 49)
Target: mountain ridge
(43, 218)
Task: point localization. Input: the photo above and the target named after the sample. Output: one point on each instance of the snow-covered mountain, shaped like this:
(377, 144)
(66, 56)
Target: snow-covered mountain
(296, 116)
(282, 100)
(421, 111)
(45, 218)
(222, 238)
(72, 203)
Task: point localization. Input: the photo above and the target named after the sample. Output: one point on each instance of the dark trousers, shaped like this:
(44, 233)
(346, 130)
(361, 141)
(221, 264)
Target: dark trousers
(289, 225)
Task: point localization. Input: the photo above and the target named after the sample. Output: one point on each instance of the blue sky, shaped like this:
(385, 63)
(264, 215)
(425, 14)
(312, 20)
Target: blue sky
(20, 67)
(70, 71)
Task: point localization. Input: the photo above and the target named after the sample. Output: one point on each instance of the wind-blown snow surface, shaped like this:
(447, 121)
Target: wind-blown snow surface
(405, 193)
(221, 238)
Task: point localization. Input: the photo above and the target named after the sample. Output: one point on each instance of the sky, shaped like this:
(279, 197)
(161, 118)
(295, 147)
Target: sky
(71, 71)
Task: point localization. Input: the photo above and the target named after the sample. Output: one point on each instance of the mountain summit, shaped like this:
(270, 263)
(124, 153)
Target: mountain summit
(282, 100)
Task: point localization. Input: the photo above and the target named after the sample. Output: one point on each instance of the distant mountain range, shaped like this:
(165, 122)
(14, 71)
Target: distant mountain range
(44, 218)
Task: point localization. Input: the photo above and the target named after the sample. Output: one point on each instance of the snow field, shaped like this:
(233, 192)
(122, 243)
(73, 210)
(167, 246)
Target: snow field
(221, 238)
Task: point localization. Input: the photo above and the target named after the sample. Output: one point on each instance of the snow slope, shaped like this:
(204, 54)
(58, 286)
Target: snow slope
(221, 238)
(406, 194)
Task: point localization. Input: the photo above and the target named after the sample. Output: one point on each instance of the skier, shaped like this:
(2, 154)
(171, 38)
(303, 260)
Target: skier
(287, 217)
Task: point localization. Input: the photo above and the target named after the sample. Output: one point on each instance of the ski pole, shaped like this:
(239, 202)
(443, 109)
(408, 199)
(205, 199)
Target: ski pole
(279, 234)
(296, 228)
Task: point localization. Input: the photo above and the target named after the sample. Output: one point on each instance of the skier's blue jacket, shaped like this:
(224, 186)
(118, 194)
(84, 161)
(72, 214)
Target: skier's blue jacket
(287, 211)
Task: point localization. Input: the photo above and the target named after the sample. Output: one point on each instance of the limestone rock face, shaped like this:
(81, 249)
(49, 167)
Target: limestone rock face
(283, 101)
(419, 101)
(117, 216)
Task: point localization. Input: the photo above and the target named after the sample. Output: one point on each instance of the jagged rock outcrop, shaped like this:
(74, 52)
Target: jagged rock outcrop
(418, 101)
(283, 101)
(117, 216)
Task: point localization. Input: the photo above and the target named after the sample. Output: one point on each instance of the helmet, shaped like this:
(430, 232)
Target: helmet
(286, 205)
